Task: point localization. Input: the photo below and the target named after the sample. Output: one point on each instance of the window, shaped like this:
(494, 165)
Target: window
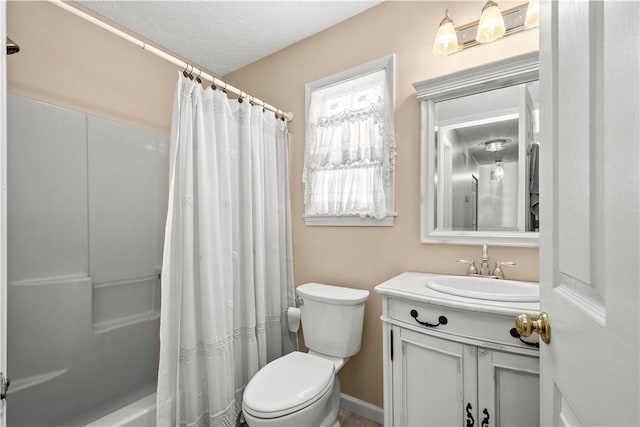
(349, 147)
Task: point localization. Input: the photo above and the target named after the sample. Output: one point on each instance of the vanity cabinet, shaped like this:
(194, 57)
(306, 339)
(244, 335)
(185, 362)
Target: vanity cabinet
(431, 377)
(449, 362)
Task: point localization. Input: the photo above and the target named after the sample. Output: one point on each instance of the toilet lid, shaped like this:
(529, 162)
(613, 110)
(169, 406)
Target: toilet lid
(287, 384)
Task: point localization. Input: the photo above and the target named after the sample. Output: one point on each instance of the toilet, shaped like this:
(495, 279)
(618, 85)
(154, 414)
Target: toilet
(302, 389)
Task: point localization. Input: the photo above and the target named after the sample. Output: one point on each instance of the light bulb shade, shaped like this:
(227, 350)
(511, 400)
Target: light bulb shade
(532, 19)
(491, 26)
(498, 173)
(446, 39)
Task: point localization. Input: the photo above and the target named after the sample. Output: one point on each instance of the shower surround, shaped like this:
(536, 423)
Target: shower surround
(86, 212)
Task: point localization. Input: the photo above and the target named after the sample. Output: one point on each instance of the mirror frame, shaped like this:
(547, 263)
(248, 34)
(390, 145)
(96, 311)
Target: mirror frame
(494, 75)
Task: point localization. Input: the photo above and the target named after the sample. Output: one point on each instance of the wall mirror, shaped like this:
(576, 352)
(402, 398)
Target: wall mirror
(479, 155)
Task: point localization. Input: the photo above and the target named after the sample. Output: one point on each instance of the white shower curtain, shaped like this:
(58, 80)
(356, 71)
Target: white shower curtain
(227, 275)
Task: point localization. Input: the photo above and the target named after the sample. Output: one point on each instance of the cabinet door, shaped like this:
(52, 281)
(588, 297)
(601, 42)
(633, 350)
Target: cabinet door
(431, 377)
(508, 389)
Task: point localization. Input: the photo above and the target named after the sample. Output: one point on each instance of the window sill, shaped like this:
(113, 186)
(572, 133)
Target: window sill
(348, 221)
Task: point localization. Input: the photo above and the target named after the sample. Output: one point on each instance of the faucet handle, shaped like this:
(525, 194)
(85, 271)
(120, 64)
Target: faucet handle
(472, 266)
(498, 270)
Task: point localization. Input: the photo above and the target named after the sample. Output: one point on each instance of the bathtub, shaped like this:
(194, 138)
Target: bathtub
(141, 413)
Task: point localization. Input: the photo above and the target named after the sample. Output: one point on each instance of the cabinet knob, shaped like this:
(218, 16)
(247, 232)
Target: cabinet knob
(525, 326)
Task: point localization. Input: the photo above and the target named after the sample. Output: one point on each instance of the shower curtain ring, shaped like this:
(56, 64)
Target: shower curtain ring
(224, 89)
(198, 78)
(191, 73)
(184, 72)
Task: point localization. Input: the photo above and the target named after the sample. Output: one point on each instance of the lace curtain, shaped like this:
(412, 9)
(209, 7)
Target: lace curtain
(227, 276)
(349, 149)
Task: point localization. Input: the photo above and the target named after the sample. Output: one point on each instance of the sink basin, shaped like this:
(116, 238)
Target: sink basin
(485, 288)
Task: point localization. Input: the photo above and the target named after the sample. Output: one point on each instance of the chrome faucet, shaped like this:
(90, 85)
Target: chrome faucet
(484, 261)
(485, 271)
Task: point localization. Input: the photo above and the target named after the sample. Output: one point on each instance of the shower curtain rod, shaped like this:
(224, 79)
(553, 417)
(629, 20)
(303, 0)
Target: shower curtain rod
(191, 69)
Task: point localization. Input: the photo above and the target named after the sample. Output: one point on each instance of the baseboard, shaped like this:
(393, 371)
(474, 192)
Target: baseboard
(362, 408)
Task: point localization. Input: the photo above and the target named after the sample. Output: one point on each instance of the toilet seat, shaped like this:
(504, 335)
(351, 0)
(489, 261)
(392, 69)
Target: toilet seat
(287, 385)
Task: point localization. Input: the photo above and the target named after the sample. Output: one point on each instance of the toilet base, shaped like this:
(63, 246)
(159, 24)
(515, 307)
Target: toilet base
(331, 419)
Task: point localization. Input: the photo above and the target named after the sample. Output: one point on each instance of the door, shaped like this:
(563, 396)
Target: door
(3, 208)
(431, 376)
(589, 242)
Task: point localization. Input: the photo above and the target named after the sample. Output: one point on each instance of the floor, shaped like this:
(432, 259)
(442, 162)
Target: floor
(349, 419)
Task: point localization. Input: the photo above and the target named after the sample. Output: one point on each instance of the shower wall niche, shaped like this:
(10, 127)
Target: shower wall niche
(86, 211)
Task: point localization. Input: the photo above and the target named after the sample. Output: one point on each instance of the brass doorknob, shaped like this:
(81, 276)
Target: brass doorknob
(525, 326)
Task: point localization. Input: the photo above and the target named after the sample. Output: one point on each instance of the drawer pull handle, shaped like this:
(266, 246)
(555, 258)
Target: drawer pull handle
(485, 420)
(514, 333)
(441, 320)
(470, 420)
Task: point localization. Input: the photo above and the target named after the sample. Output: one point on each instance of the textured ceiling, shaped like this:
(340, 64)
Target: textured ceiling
(223, 36)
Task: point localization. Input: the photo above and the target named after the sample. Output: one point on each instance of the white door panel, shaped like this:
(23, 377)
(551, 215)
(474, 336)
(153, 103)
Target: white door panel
(589, 249)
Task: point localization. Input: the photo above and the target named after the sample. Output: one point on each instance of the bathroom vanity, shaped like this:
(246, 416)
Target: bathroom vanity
(456, 360)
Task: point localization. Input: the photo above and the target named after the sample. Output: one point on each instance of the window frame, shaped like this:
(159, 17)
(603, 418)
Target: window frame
(387, 63)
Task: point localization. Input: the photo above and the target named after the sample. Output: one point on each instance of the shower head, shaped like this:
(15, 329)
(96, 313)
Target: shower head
(12, 47)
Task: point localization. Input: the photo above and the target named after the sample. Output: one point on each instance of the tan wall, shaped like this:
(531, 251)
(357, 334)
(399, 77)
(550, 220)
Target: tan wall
(363, 257)
(69, 62)
(64, 60)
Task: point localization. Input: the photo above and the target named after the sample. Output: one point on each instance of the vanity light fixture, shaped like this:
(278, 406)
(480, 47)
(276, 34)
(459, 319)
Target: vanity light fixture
(532, 20)
(492, 25)
(446, 37)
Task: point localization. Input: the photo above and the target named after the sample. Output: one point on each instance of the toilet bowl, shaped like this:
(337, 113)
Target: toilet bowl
(302, 389)
(298, 389)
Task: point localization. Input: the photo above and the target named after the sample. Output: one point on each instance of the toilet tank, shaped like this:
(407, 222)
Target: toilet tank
(332, 318)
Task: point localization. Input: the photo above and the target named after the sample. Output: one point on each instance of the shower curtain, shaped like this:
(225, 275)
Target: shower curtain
(227, 276)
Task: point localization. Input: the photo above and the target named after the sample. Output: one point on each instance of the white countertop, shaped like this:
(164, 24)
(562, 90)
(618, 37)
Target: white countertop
(412, 286)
